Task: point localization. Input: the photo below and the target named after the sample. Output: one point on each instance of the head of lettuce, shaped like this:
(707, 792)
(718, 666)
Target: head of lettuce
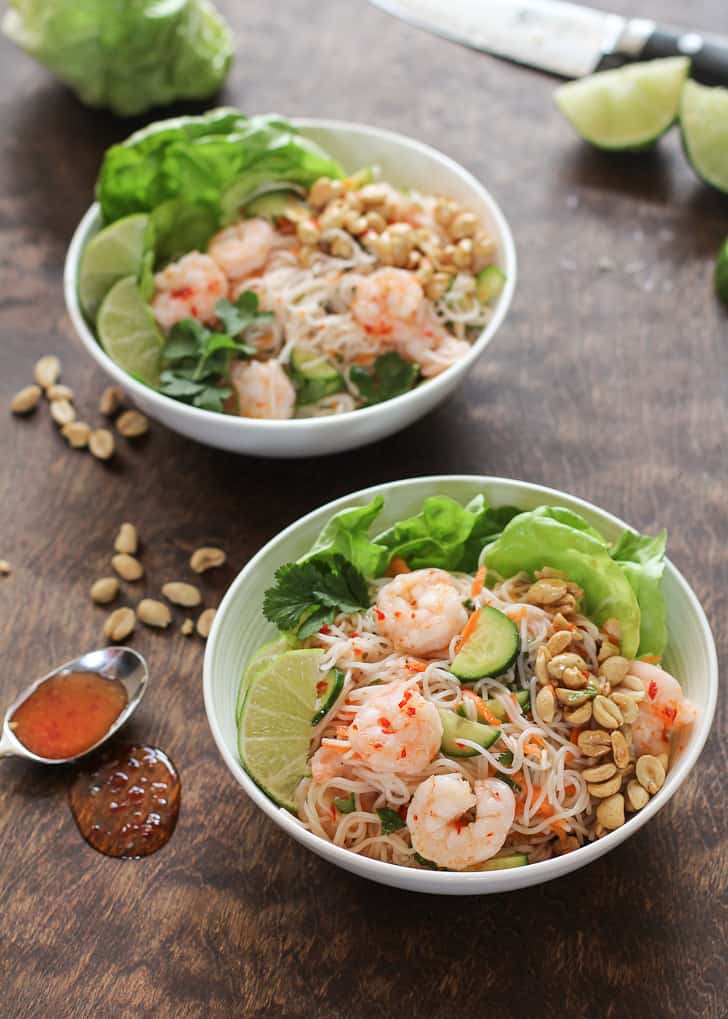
(126, 55)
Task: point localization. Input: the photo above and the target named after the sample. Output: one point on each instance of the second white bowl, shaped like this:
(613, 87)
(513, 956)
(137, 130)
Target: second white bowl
(404, 162)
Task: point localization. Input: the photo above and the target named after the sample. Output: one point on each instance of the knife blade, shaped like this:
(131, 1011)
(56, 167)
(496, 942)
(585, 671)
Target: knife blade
(562, 38)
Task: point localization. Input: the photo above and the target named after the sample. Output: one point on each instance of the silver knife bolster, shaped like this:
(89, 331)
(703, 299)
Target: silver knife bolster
(632, 39)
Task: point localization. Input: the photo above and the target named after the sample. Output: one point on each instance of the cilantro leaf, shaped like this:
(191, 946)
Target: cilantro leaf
(390, 376)
(391, 820)
(306, 595)
(238, 317)
(345, 805)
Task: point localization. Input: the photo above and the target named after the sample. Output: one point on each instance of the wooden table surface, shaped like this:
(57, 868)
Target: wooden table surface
(609, 379)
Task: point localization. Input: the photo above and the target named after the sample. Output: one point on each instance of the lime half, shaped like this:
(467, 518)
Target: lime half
(275, 726)
(128, 333)
(704, 125)
(721, 273)
(115, 252)
(261, 659)
(628, 108)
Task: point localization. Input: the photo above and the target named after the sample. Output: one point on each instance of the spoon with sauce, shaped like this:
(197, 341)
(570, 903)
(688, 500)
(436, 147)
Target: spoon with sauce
(75, 708)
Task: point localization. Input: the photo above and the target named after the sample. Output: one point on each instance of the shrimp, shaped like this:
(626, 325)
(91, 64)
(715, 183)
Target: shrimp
(326, 763)
(664, 710)
(242, 248)
(431, 347)
(438, 830)
(189, 288)
(264, 390)
(420, 612)
(397, 731)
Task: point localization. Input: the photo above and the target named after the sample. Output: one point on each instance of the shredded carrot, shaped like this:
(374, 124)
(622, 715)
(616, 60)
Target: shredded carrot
(342, 732)
(333, 744)
(479, 581)
(416, 666)
(534, 745)
(516, 615)
(397, 566)
(569, 789)
(650, 659)
(575, 733)
(559, 827)
(568, 758)
(484, 712)
(468, 629)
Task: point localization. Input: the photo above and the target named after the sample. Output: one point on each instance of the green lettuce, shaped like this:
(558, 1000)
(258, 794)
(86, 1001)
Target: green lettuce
(556, 537)
(642, 560)
(347, 534)
(126, 55)
(194, 173)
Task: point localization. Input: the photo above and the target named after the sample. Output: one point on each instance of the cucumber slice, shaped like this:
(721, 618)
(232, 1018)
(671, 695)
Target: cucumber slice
(504, 862)
(496, 708)
(627, 108)
(704, 129)
(273, 204)
(490, 650)
(489, 283)
(456, 728)
(327, 694)
(314, 377)
(721, 274)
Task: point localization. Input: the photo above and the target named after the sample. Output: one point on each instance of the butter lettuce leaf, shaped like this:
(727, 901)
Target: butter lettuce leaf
(642, 560)
(126, 55)
(194, 173)
(557, 537)
(347, 534)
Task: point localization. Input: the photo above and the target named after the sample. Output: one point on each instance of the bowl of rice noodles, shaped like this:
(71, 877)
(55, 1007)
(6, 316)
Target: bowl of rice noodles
(460, 684)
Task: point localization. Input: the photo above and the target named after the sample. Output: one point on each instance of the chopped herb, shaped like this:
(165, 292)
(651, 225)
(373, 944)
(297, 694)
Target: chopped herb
(576, 695)
(391, 820)
(506, 759)
(305, 596)
(197, 360)
(390, 376)
(425, 863)
(346, 805)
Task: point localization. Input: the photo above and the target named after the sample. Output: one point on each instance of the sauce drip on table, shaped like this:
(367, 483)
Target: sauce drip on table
(128, 806)
(67, 714)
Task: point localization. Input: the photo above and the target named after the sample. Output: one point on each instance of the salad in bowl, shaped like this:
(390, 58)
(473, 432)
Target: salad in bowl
(250, 269)
(467, 687)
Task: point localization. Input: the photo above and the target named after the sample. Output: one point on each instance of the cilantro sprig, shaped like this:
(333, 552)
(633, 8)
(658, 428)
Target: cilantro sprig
(390, 819)
(197, 359)
(306, 595)
(389, 376)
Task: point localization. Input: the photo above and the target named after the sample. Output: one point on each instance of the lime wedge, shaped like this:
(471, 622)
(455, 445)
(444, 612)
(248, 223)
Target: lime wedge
(128, 333)
(721, 273)
(704, 126)
(275, 728)
(261, 658)
(628, 108)
(115, 252)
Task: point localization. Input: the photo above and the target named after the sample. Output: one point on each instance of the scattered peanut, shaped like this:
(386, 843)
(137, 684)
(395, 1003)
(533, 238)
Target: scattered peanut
(204, 623)
(614, 669)
(25, 400)
(187, 627)
(206, 558)
(573, 698)
(154, 613)
(546, 703)
(606, 713)
(127, 540)
(542, 660)
(594, 742)
(610, 813)
(604, 789)
(76, 434)
(5, 568)
(600, 772)
(127, 566)
(132, 424)
(633, 684)
(60, 392)
(580, 715)
(104, 590)
(46, 371)
(650, 773)
(110, 400)
(558, 642)
(620, 749)
(627, 705)
(637, 795)
(62, 412)
(120, 624)
(101, 444)
(182, 594)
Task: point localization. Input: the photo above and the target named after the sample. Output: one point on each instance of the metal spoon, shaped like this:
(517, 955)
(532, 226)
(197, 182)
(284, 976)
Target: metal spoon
(120, 663)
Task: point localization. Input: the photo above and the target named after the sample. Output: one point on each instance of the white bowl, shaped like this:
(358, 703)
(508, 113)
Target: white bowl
(404, 162)
(240, 628)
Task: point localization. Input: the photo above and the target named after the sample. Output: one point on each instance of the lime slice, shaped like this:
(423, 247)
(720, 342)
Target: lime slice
(275, 726)
(261, 658)
(704, 126)
(628, 108)
(721, 273)
(128, 333)
(114, 253)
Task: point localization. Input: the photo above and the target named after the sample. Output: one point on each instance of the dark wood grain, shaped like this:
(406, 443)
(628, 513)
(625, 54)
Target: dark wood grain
(610, 382)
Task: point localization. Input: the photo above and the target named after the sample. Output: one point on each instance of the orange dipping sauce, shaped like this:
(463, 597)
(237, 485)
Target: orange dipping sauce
(68, 714)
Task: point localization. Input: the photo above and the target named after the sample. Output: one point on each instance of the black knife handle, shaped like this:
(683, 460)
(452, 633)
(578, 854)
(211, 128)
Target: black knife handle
(708, 57)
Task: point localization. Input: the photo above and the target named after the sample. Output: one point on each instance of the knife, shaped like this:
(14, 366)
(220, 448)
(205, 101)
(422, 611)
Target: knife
(563, 38)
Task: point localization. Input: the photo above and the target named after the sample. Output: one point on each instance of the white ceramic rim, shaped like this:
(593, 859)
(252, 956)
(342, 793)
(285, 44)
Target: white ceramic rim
(303, 426)
(476, 881)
